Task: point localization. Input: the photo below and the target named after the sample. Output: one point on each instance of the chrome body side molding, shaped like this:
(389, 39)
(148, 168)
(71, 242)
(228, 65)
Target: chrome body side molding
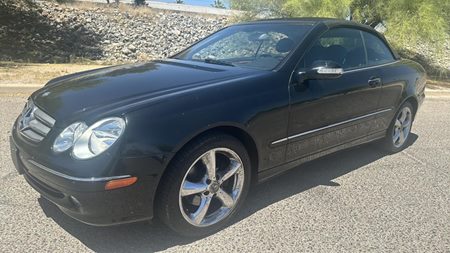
(329, 126)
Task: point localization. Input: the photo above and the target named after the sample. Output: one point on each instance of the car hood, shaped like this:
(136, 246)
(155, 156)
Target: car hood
(102, 90)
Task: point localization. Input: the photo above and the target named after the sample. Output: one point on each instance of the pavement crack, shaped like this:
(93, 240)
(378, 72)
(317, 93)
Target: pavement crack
(10, 204)
(414, 158)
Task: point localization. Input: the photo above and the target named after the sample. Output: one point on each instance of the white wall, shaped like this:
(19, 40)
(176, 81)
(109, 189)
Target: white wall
(177, 7)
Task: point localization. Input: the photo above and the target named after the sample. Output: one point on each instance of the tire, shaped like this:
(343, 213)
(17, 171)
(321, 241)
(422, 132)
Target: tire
(181, 209)
(399, 130)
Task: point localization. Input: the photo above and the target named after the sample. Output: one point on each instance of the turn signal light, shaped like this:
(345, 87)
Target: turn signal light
(120, 183)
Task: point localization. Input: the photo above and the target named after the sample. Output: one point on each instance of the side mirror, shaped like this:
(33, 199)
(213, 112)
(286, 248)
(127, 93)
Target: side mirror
(321, 70)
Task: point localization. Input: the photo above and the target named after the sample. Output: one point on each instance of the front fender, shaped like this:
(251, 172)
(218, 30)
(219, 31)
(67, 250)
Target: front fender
(256, 105)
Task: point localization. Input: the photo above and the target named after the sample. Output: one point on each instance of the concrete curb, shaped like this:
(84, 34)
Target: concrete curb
(433, 93)
(437, 91)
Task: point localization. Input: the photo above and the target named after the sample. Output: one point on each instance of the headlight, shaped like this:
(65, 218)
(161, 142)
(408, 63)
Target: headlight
(88, 142)
(98, 138)
(68, 137)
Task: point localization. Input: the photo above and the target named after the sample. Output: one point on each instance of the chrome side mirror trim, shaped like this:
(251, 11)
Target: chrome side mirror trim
(330, 71)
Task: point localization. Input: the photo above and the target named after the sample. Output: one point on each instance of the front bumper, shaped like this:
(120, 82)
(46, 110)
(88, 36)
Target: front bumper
(85, 198)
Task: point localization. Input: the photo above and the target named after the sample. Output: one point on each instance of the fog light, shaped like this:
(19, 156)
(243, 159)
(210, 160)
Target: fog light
(119, 183)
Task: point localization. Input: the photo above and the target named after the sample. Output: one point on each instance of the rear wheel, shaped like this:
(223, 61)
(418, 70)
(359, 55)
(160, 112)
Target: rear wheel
(399, 129)
(205, 185)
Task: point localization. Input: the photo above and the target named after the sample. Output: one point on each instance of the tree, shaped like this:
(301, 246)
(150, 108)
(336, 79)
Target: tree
(139, 2)
(317, 8)
(257, 9)
(179, 1)
(218, 4)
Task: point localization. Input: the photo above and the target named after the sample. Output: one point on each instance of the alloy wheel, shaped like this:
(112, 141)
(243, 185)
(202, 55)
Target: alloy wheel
(211, 187)
(402, 127)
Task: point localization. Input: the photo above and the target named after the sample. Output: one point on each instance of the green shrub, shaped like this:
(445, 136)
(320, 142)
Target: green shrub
(139, 2)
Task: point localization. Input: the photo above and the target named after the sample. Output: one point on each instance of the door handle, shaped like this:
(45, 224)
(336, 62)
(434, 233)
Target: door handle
(374, 82)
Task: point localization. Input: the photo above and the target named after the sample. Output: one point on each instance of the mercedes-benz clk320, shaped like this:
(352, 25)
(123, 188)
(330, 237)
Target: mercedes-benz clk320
(183, 139)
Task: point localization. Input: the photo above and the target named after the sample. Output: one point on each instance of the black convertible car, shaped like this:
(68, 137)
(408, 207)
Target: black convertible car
(185, 138)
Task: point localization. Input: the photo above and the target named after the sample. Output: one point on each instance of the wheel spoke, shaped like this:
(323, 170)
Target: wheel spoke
(401, 137)
(233, 168)
(190, 188)
(407, 122)
(397, 136)
(209, 159)
(226, 199)
(406, 129)
(200, 214)
(403, 116)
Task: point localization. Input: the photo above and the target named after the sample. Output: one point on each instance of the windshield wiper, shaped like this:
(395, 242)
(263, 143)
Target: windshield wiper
(219, 62)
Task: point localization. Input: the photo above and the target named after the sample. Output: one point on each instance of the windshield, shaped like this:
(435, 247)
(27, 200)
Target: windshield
(260, 46)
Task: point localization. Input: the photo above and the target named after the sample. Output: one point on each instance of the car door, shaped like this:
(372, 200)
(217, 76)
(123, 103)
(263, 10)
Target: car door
(393, 76)
(328, 112)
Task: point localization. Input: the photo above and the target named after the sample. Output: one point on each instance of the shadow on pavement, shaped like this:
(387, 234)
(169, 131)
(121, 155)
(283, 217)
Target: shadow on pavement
(142, 237)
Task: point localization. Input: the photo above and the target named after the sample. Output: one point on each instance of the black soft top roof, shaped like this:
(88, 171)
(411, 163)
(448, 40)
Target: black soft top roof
(330, 22)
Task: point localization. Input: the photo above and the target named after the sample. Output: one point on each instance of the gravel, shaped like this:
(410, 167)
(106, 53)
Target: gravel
(65, 33)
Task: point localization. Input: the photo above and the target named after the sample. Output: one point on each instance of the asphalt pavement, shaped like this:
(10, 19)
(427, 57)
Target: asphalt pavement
(358, 200)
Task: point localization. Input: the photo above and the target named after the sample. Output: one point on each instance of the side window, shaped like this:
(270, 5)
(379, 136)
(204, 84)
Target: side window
(343, 46)
(377, 51)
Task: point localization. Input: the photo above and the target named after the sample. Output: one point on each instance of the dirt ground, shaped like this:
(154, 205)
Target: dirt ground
(37, 74)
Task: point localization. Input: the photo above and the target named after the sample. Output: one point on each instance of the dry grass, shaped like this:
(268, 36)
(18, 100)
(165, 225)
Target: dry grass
(142, 11)
(137, 10)
(35, 74)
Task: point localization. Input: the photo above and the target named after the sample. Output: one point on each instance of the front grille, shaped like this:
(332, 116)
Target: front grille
(34, 123)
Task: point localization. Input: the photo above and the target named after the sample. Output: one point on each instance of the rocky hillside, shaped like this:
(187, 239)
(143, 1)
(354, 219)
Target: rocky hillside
(48, 32)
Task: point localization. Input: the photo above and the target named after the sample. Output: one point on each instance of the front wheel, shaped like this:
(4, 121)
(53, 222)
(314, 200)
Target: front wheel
(399, 129)
(205, 185)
